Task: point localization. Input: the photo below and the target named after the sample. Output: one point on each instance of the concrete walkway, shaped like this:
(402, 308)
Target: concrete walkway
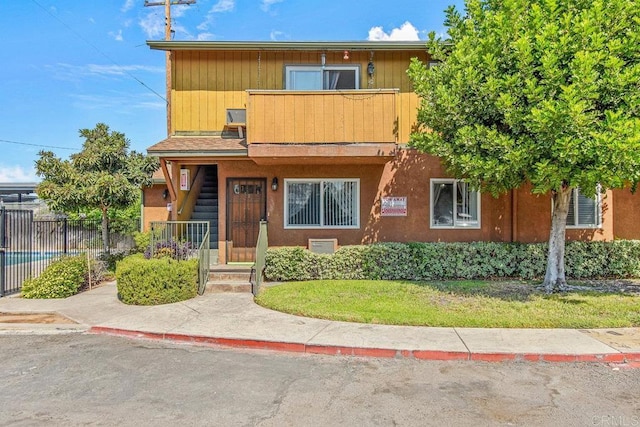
(233, 319)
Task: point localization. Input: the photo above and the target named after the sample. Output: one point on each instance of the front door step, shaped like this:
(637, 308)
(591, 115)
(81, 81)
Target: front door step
(229, 278)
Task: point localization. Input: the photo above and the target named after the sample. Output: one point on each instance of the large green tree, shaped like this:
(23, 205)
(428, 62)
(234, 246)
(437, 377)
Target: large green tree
(104, 175)
(545, 92)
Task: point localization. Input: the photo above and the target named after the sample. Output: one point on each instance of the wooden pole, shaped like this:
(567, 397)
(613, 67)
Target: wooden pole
(167, 36)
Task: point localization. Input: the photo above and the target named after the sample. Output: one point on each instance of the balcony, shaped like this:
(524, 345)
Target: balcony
(321, 117)
(348, 125)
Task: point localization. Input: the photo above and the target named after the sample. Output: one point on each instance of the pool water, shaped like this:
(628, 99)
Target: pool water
(12, 258)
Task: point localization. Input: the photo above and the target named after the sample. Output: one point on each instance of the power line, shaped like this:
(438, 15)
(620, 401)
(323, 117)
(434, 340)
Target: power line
(36, 145)
(77, 34)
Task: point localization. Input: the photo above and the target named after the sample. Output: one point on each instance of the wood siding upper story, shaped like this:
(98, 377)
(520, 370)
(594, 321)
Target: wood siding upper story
(207, 83)
(322, 116)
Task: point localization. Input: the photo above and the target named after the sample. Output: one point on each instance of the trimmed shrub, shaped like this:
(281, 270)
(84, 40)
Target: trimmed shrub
(449, 261)
(155, 281)
(142, 240)
(111, 259)
(170, 248)
(63, 278)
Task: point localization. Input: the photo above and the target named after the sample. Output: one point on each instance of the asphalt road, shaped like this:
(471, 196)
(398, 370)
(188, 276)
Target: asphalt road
(99, 380)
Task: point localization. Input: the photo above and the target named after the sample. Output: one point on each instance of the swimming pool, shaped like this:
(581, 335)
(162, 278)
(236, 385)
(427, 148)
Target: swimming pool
(12, 258)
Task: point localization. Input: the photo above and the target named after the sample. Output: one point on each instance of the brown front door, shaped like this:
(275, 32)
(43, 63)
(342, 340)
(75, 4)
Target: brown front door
(246, 206)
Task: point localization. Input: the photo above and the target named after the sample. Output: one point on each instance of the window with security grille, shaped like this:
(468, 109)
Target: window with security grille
(584, 212)
(322, 203)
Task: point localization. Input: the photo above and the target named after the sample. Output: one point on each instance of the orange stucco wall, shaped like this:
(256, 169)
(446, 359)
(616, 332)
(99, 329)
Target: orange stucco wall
(408, 175)
(626, 215)
(154, 206)
(533, 219)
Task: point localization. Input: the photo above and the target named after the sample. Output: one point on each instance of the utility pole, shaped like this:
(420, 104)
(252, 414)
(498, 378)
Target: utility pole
(167, 36)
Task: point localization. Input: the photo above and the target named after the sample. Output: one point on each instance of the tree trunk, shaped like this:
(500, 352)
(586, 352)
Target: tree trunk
(105, 230)
(555, 280)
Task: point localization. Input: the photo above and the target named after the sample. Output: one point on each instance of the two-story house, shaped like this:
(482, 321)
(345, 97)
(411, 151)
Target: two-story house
(311, 136)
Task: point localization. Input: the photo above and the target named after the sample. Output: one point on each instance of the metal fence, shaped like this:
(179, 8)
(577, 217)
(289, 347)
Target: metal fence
(28, 246)
(183, 240)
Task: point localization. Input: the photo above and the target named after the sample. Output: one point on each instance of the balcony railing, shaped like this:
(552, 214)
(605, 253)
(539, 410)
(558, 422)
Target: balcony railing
(300, 117)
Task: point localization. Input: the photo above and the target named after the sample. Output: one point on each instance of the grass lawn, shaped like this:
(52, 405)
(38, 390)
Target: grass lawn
(487, 304)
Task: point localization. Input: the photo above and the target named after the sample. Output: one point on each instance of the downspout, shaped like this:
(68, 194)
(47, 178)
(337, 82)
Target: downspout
(514, 215)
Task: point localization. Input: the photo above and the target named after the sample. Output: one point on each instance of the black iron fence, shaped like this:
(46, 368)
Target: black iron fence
(183, 240)
(28, 245)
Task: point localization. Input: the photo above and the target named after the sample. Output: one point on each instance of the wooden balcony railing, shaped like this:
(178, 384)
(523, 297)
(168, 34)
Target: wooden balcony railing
(301, 117)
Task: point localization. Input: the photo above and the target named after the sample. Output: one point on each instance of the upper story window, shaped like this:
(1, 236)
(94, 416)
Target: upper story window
(305, 77)
(584, 212)
(454, 204)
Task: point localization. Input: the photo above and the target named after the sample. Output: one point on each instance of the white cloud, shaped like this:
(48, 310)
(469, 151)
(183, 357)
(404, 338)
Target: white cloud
(205, 36)
(179, 10)
(266, 4)
(17, 174)
(275, 35)
(223, 6)
(75, 73)
(406, 32)
(120, 70)
(123, 103)
(127, 6)
(116, 36)
(153, 25)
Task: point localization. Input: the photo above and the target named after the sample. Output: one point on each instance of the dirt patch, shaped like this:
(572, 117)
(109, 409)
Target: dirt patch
(41, 318)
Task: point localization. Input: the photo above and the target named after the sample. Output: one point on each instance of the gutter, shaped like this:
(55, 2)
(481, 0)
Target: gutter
(419, 45)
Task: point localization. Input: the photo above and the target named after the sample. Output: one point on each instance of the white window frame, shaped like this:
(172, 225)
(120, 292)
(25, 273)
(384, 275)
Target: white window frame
(321, 181)
(576, 215)
(319, 68)
(457, 224)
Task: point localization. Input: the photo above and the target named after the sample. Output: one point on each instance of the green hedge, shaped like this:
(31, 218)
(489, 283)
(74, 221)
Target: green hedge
(63, 278)
(156, 281)
(448, 261)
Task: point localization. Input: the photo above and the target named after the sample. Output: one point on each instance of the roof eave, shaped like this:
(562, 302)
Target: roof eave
(184, 153)
(289, 45)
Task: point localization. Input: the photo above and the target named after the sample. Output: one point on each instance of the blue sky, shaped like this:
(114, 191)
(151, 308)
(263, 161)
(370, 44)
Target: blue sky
(70, 64)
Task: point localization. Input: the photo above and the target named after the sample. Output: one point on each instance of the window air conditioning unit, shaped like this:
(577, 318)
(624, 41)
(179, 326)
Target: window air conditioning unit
(236, 116)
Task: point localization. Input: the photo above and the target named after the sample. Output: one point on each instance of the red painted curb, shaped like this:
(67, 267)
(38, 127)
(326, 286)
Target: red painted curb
(630, 359)
(436, 354)
(493, 357)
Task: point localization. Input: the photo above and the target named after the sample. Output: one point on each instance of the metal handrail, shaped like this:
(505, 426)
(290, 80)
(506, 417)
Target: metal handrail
(257, 270)
(196, 233)
(204, 262)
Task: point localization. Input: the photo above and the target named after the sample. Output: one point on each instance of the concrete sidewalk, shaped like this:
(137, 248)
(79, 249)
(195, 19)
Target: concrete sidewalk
(233, 319)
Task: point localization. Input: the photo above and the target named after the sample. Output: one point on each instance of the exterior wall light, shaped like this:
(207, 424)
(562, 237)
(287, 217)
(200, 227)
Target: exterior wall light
(346, 55)
(370, 69)
(165, 193)
(274, 184)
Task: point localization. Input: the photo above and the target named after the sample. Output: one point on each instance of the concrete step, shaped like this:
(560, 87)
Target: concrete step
(217, 276)
(230, 273)
(229, 278)
(215, 286)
